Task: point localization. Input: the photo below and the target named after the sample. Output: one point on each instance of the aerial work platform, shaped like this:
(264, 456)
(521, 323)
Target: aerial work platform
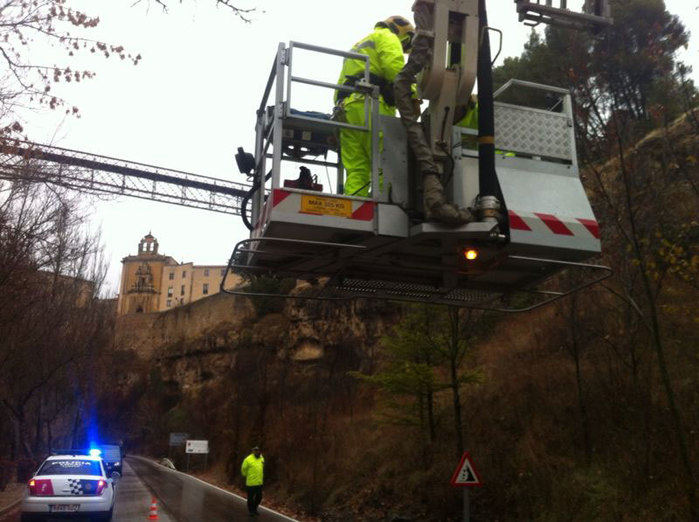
(381, 246)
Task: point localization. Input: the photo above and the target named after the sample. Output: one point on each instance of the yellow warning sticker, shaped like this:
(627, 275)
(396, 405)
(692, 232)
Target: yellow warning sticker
(326, 206)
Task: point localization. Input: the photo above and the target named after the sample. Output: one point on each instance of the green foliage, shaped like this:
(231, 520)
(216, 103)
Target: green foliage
(420, 351)
(272, 287)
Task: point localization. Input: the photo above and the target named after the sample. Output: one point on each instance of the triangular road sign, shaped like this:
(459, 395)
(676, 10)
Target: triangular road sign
(466, 474)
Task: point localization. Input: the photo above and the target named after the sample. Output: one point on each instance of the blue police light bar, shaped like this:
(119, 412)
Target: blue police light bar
(94, 452)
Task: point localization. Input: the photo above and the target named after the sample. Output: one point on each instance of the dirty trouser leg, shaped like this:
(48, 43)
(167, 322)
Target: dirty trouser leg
(356, 152)
(436, 206)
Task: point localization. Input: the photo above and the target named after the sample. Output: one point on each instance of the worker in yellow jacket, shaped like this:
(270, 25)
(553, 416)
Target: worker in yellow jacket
(253, 470)
(385, 47)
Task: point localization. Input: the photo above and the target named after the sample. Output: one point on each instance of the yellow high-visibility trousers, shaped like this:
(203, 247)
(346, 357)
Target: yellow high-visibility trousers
(356, 148)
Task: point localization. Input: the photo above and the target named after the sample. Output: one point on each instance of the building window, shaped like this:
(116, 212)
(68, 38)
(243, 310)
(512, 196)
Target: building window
(223, 272)
(206, 272)
(184, 274)
(169, 292)
(205, 289)
(169, 303)
(182, 290)
(172, 276)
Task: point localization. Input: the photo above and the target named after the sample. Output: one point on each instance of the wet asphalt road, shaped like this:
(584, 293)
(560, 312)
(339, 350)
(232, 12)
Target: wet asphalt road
(133, 499)
(180, 498)
(132, 504)
(188, 499)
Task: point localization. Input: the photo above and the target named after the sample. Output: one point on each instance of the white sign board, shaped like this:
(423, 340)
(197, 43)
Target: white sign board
(197, 446)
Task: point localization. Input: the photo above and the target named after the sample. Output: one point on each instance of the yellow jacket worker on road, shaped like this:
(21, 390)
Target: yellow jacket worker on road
(253, 469)
(384, 47)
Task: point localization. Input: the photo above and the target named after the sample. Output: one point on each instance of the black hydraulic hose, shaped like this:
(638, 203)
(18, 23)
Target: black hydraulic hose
(246, 198)
(486, 111)
(244, 210)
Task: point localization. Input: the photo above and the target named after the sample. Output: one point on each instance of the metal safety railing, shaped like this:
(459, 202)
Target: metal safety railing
(275, 114)
(523, 129)
(595, 13)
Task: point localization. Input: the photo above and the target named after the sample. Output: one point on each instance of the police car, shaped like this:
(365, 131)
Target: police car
(70, 486)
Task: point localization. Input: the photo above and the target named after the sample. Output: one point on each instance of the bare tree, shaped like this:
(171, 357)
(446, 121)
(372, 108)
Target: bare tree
(52, 27)
(50, 273)
(243, 13)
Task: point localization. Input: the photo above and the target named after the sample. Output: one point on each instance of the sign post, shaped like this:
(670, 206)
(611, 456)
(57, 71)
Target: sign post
(197, 446)
(466, 476)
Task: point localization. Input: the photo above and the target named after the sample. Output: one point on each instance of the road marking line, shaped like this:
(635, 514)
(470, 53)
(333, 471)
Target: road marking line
(211, 486)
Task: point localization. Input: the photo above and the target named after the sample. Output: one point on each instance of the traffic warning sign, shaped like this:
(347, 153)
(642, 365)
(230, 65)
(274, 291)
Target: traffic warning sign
(466, 474)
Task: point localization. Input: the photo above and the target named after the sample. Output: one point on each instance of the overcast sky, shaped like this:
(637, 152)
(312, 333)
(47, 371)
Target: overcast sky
(191, 101)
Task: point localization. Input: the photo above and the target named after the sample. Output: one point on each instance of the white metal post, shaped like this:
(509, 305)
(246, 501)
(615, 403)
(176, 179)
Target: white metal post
(277, 132)
(568, 111)
(375, 144)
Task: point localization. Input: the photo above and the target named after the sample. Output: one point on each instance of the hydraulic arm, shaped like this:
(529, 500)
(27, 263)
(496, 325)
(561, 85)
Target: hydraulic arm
(452, 49)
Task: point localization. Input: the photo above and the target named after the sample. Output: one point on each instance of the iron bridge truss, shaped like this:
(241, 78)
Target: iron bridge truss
(22, 161)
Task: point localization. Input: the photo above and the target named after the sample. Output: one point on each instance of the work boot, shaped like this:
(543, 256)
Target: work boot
(436, 206)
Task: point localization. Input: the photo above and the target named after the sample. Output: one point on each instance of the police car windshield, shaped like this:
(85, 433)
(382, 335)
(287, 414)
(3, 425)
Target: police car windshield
(70, 467)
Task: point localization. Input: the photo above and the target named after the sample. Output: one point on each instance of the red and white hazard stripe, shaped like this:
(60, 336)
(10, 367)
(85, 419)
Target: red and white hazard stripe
(541, 223)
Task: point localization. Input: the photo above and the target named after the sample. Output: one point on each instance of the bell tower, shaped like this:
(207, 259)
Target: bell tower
(141, 277)
(148, 245)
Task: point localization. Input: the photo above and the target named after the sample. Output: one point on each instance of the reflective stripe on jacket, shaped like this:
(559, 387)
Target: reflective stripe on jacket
(385, 54)
(253, 470)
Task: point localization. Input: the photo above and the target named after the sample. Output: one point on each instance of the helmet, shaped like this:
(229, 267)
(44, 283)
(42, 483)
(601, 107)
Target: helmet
(402, 27)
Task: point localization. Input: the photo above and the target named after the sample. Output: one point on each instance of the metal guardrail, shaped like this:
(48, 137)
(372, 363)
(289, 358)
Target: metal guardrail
(533, 131)
(531, 85)
(597, 13)
(338, 288)
(269, 128)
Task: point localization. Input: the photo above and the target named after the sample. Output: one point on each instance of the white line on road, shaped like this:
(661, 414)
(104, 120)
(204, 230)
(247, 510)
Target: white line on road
(150, 461)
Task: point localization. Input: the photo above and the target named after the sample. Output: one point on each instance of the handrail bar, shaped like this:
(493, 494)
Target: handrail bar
(327, 50)
(334, 86)
(531, 85)
(268, 87)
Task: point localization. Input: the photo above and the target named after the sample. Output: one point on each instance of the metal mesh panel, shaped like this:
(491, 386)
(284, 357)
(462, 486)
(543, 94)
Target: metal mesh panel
(412, 292)
(533, 132)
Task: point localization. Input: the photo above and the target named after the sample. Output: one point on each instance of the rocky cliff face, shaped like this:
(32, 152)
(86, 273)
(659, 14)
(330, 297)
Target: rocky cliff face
(148, 333)
(217, 370)
(198, 344)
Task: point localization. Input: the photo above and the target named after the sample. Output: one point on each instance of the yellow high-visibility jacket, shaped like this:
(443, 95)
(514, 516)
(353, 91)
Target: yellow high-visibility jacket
(470, 119)
(385, 54)
(253, 470)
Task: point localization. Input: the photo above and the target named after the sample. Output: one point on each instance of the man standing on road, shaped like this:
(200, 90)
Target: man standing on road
(253, 471)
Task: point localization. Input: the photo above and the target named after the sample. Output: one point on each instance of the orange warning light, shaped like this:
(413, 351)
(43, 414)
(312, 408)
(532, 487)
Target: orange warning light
(471, 254)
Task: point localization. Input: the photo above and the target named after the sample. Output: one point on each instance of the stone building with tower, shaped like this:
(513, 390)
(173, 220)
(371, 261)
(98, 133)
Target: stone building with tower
(154, 282)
